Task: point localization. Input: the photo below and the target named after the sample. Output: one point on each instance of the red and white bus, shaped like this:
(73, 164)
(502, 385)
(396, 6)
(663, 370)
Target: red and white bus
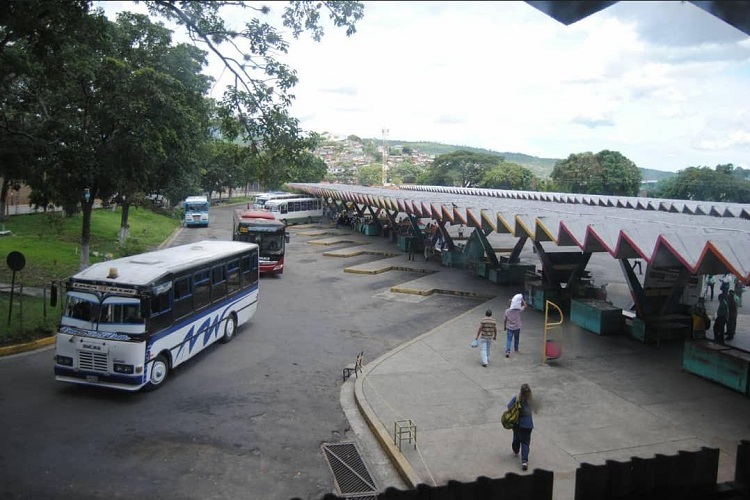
(260, 227)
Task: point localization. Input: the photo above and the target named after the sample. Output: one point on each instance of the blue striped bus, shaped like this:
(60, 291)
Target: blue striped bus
(126, 323)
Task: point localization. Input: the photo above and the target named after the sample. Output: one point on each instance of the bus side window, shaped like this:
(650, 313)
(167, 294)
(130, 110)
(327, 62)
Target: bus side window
(201, 290)
(160, 312)
(233, 276)
(218, 283)
(183, 294)
(248, 269)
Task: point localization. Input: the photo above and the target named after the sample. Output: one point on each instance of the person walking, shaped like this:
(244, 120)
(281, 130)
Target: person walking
(732, 305)
(512, 322)
(488, 332)
(722, 313)
(522, 430)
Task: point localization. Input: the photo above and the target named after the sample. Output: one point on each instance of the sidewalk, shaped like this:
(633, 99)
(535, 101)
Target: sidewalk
(604, 398)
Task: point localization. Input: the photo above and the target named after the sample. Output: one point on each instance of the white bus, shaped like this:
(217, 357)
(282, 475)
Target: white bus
(259, 202)
(196, 211)
(296, 210)
(127, 322)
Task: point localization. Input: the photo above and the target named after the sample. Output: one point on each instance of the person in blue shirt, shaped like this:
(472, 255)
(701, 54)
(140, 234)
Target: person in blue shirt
(522, 431)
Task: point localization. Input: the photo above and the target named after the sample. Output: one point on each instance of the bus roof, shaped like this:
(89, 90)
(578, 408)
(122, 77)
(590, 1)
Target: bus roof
(243, 213)
(146, 268)
(196, 199)
(290, 200)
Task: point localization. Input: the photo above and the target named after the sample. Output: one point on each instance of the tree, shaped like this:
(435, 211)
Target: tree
(65, 58)
(606, 173)
(308, 168)
(460, 168)
(620, 176)
(723, 183)
(225, 166)
(405, 173)
(370, 175)
(507, 175)
(31, 34)
(255, 107)
(154, 114)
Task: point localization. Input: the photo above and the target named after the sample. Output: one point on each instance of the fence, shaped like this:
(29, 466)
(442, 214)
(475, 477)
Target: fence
(689, 475)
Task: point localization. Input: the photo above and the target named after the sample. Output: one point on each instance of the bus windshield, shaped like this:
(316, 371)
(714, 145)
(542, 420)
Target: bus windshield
(82, 308)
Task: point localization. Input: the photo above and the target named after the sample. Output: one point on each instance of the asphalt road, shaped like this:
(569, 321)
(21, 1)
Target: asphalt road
(242, 420)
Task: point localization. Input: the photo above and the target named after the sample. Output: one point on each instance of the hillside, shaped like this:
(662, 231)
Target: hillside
(360, 151)
(541, 167)
(649, 174)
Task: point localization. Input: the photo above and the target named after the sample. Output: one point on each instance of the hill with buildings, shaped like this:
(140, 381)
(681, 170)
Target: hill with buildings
(343, 154)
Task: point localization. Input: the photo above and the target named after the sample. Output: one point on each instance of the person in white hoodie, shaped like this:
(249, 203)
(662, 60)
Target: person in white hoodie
(512, 323)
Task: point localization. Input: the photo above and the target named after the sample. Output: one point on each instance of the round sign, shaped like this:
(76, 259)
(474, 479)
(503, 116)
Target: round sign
(16, 261)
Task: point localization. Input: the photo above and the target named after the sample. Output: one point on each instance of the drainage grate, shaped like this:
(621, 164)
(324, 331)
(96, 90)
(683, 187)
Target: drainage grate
(350, 474)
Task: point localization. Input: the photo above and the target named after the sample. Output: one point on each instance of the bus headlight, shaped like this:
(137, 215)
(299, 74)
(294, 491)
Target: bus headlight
(64, 360)
(120, 368)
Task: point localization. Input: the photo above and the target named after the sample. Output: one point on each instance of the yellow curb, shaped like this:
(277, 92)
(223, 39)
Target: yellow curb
(399, 461)
(364, 271)
(440, 291)
(29, 346)
(384, 269)
(334, 242)
(340, 253)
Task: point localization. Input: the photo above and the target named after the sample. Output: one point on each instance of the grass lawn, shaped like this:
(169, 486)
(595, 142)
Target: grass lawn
(50, 244)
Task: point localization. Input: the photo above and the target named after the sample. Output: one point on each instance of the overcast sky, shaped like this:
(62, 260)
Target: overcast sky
(664, 83)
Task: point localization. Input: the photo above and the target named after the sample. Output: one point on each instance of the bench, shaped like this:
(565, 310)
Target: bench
(355, 367)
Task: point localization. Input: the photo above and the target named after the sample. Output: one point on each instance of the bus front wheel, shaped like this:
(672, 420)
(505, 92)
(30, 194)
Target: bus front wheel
(159, 373)
(230, 328)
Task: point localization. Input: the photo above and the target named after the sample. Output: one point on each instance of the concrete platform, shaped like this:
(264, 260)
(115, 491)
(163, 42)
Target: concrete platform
(606, 397)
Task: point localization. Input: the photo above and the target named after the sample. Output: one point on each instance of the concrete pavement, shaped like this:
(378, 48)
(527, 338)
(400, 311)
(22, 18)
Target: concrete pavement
(606, 397)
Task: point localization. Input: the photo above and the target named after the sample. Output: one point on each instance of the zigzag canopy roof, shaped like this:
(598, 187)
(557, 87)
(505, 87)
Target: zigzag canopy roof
(704, 237)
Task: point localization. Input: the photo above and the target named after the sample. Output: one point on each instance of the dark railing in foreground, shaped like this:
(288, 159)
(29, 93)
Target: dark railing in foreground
(689, 475)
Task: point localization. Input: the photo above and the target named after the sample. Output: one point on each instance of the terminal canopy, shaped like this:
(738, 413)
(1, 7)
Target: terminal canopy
(704, 237)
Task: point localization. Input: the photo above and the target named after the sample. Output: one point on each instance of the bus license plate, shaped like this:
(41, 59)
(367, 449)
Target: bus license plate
(92, 378)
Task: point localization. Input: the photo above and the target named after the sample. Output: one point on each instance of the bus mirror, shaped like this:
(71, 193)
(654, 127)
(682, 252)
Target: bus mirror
(53, 296)
(286, 237)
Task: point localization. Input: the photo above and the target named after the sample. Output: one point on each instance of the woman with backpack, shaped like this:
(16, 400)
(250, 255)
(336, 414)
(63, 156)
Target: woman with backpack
(522, 430)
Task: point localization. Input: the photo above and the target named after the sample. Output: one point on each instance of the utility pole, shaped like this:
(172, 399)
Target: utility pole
(385, 156)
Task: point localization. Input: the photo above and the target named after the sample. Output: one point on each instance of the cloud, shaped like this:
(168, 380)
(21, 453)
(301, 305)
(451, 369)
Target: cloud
(593, 122)
(345, 91)
(661, 82)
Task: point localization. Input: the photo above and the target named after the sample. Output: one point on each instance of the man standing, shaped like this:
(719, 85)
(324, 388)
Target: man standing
(488, 331)
(722, 313)
(512, 322)
(732, 304)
